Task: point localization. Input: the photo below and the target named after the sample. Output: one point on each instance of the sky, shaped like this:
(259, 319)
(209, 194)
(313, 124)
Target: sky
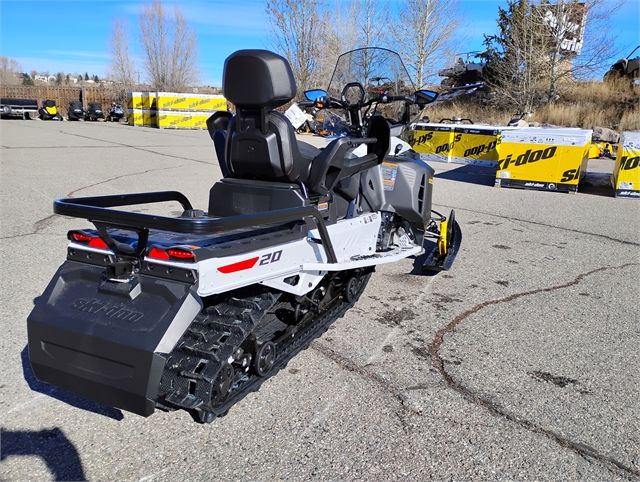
(73, 36)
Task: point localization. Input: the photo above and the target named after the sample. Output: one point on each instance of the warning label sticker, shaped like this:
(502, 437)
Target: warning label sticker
(389, 173)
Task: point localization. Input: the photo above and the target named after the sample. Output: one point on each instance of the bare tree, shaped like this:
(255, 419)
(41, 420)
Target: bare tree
(121, 66)
(297, 35)
(341, 34)
(372, 17)
(542, 46)
(423, 35)
(9, 71)
(169, 46)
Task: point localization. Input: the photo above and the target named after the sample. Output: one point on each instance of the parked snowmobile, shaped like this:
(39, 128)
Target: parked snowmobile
(49, 111)
(75, 111)
(193, 312)
(94, 112)
(116, 113)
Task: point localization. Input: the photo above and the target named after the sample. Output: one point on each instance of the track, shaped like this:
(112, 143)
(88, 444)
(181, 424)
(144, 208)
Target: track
(213, 365)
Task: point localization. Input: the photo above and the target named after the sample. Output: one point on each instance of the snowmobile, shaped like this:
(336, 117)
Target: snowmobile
(195, 311)
(115, 113)
(49, 111)
(75, 111)
(94, 112)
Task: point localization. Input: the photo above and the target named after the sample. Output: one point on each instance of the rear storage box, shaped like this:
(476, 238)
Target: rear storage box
(626, 174)
(541, 158)
(459, 143)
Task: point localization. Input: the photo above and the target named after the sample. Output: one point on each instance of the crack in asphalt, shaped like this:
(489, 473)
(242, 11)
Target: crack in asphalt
(583, 450)
(137, 148)
(350, 366)
(538, 223)
(43, 223)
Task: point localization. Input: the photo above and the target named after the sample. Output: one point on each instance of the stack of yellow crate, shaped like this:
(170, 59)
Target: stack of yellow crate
(172, 109)
(134, 109)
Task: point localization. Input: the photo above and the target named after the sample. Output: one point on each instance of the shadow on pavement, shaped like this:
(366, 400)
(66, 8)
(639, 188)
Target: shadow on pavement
(62, 395)
(597, 183)
(51, 445)
(482, 175)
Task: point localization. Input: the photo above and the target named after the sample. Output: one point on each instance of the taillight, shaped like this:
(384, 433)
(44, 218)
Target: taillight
(178, 254)
(79, 236)
(88, 239)
(157, 253)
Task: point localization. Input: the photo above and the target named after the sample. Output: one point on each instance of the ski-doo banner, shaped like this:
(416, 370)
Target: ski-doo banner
(543, 159)
(464, 144)
(168, 119)
(626, 174)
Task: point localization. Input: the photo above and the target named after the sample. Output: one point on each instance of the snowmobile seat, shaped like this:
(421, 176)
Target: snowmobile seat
(261, 143)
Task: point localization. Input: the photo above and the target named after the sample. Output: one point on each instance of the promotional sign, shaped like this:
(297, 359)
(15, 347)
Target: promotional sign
(626, 174)
(544, 159)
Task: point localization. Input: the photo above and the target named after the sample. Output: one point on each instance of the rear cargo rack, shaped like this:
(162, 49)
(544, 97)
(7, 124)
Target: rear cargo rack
(94, 209)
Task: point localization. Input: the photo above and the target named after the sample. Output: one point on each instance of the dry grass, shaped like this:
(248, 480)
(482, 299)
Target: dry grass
(589, 104)
(479, 114)
(615, 105)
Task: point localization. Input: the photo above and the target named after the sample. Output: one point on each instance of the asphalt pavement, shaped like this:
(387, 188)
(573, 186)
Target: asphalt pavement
(520, 363)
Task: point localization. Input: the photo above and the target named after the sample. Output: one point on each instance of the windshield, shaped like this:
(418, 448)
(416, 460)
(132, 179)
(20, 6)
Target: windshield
(378, 70)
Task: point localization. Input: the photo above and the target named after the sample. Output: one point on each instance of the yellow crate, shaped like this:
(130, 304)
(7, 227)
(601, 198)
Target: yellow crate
(190, 102)
(149, 100)
(134, 100)
(543, 159)
(149, 118)
(626, 174)
(135, 117)
(169, 119)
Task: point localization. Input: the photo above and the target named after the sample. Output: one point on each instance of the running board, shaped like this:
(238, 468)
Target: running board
(363, 261)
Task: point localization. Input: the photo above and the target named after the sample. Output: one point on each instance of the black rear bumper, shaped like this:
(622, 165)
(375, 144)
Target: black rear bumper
(104, 344)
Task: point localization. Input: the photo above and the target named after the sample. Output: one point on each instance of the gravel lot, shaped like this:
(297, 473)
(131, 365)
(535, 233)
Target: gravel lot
(520, 363)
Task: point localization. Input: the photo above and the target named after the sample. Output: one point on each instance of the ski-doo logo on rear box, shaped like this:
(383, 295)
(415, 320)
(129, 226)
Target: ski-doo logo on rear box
(109, 310)
(528, 157)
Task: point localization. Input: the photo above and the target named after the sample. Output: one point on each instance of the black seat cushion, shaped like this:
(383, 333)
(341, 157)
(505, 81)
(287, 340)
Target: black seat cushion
(307, 150)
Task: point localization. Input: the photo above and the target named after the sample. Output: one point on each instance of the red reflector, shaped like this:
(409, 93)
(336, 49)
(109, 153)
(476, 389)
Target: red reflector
(81, 237)
(239, 266)
(179, 253)
(157, 253)
(98, 243)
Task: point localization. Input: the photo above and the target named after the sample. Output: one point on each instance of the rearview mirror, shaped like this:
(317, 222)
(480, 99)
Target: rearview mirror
(424, 97)
(315, 94)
